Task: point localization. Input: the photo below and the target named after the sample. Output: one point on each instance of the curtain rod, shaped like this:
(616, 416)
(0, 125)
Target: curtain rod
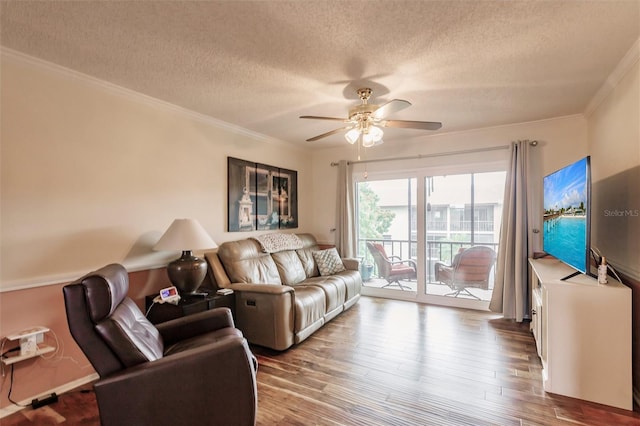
(440, 154)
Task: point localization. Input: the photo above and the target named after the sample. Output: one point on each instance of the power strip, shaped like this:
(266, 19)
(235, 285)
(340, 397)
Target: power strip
(41, 402)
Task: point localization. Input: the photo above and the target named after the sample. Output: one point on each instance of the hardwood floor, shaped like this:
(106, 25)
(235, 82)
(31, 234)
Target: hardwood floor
(387, 362)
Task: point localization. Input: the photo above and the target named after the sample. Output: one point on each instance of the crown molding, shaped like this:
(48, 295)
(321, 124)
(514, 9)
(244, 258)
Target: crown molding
(619, 72)
(132, 95)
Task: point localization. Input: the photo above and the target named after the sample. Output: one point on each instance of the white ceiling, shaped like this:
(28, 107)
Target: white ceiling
(261, 64)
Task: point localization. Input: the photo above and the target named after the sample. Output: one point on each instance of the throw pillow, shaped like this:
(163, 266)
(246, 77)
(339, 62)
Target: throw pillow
(328, 261)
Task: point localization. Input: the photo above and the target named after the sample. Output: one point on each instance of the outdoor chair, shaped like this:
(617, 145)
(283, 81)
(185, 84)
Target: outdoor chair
(392, 268)
(470, 269)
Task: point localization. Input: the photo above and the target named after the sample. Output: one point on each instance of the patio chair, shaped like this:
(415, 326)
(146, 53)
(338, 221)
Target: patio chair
(392, 268)
(470, 268)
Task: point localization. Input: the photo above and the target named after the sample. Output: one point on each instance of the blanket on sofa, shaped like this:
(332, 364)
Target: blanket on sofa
(273, 243)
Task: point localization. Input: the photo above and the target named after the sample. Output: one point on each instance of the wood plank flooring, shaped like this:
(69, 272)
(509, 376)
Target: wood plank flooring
(387, 362)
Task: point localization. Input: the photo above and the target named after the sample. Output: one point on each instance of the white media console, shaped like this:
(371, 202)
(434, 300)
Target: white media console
(583, 334)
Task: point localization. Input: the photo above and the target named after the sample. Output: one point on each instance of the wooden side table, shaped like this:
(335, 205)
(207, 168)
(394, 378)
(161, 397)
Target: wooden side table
(188, 305)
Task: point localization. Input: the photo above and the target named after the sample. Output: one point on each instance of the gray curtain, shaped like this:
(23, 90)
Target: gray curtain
(345, 217)
(511, 293)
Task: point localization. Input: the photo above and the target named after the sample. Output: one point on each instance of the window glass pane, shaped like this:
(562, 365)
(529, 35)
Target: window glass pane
(387, 216)
(462, 211)
(488, 195)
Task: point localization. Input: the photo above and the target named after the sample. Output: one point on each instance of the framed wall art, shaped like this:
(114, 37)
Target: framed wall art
(260, 197)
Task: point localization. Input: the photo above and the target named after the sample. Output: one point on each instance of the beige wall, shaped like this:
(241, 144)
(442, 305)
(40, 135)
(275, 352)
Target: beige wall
(93, 174)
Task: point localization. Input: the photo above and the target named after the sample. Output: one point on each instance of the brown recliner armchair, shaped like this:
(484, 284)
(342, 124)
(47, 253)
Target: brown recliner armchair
(194, 370)
(470, 268)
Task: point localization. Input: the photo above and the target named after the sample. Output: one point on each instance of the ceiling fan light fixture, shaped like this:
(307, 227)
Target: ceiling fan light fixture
(365, 121)
(367, 140)
(352, 135)
(376, 133)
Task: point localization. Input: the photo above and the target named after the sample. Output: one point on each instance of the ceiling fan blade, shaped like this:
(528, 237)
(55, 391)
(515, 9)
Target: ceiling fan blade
(324, 135)
(315, 117)
(404, 124)
(389, 108)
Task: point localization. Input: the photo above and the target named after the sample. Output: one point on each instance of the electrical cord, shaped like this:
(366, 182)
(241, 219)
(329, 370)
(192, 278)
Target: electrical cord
(11, 378)
(56, 355)
(149, 310)
(3, 354)
(17, 348)
(11, 389)
(596, 252)
(614, 272)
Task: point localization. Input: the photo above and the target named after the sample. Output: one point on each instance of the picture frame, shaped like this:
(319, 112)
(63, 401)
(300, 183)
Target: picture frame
(260, 196)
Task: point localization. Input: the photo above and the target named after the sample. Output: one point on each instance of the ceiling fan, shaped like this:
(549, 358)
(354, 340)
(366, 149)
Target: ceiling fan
(366, 120)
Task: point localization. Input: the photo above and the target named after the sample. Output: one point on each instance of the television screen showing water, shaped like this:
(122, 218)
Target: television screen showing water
(565, 214)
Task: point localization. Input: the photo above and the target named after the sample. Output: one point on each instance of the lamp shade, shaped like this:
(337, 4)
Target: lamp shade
(187, 272)
(185, 234)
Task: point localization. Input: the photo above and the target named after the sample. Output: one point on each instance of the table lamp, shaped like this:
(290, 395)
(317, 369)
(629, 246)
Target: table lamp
(187, 272)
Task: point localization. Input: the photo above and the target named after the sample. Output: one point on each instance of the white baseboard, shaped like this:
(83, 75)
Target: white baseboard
(58, 390)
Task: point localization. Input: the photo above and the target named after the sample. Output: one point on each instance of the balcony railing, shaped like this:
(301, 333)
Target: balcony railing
(465, 225)
(437, 251)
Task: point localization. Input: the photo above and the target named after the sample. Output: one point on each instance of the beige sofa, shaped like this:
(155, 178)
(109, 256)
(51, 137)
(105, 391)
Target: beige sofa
(281, 297)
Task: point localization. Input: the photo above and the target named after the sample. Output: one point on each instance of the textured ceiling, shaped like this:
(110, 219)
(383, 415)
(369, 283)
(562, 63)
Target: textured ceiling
(261, 64)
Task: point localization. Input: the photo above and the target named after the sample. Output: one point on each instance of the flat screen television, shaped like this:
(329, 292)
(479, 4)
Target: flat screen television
(567, 215)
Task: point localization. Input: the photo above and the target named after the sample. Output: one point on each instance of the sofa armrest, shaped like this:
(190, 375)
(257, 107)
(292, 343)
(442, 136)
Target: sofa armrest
(193, 325)
(352, 264)
(163, 392)
(265, 313)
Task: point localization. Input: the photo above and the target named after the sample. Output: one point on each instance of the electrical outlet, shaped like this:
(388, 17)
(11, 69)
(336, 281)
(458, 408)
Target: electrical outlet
(28, 345)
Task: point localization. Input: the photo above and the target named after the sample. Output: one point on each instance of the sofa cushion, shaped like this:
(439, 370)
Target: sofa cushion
(309, 245)
(310, 306)
(289, 267)
(244, 262)
(352, 281)
(328, 261)
(334, 289)
(308, 262)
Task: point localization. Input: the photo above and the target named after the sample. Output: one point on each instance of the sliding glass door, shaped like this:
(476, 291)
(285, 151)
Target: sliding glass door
(428, 224)
(387, 231)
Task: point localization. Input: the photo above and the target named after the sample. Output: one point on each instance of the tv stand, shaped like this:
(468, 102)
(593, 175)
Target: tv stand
(583, 334)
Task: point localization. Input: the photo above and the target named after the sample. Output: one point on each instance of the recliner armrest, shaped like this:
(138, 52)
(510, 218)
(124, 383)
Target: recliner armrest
(180, 386)
(265, 314)
(193, 325)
